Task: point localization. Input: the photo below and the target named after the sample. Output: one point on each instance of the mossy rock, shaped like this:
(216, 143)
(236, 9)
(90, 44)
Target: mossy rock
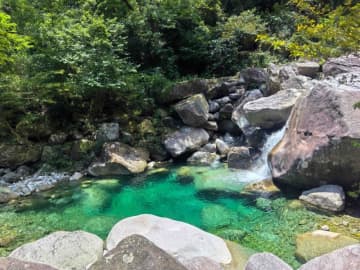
(14, 155)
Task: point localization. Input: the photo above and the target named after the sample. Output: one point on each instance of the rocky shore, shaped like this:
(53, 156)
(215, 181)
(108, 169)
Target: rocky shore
(292, 125)
(154, 243)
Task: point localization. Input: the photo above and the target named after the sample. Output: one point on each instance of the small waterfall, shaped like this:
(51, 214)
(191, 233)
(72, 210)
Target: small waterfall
(260, 169)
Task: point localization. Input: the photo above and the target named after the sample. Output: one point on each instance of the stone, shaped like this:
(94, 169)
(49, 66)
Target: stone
(7, 195)
(223, 86)
(120, 159)
(203, 158)
(255, 77)
(210, 125)
(266, 261)
(183, 90)
(222, 147)
(193, 111)
(213, 106)
(263, 188)
(238, 115)
(108, 132)
(309, 69)
(273, 111)
(209, 147)
(62, 250)
(135, 252)
(318, 145)
(343, 64)
(14, 264)
(313, 244)
(11, 177)
(327, 197)
(185, 140)
(15, 155)
(296, 82)
(58, 138)
(277, 75)
(23, 171)
(239, 158)
(201, 263)
(76, 176)
(181, 240)
(347, 258)
(223, 101)
(226, 111)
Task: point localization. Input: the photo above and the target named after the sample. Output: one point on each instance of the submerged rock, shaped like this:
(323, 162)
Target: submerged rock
(318, 145)
(194, 111)
(328, 197)
(347, 258)
(120, 159)
(136, 253)
(264, 188)
(313, 244)
(181, 240)
(266, 261)
(62, 250)
(185, 140)
(14, 264)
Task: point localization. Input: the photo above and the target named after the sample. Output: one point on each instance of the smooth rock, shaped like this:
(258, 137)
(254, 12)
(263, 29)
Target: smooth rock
(137, 253)
(347, 258)
(193, 111)
(273, 111)
(318, 145)
(185, 140)
(266, 261)
(209, 147)
(313, 244)
(203, 158)
(210, 125)
(62, 250)
(239, 157)
(222, 147)
(213, 106)
(108, 132)
(181, 240)
(309, 69)
(343, 64)
(120, 159)
(327, 197)
(14, 264)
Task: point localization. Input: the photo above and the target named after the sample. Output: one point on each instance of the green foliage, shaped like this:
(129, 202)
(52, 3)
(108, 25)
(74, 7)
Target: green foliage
(322, 30)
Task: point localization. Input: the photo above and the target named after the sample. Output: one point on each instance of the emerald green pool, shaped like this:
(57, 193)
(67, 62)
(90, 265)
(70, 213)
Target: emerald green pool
(95, 206)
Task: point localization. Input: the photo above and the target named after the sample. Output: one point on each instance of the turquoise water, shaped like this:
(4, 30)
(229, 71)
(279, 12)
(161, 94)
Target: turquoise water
(95, 206)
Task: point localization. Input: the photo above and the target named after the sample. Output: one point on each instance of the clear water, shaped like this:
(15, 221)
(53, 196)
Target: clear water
(95, 206)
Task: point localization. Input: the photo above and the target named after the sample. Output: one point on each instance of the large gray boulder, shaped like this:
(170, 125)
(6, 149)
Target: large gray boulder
(343, 64)
(327, 197)
(202, 263)
(318, 145)
(181, 240)
(120, 159)
(347, 258)
(266, 261)
(273, 111)
(194, 111)
(62, 250)
(15, 155)
(14, 264)
(185, 140)
(137, 253)
(277, 75)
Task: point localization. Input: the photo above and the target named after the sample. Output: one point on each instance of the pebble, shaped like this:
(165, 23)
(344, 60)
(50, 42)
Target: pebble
(325, 228)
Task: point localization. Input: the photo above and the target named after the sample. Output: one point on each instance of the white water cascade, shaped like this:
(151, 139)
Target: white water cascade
(235, 179)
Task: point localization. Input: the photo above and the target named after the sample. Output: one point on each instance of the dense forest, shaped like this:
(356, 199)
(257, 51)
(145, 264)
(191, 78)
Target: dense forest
(62, 61)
